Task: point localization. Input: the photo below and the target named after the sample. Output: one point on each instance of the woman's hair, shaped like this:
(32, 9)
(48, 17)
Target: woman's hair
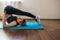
(24, 22)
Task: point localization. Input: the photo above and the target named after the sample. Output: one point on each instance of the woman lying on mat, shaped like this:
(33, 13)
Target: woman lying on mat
(13, 20)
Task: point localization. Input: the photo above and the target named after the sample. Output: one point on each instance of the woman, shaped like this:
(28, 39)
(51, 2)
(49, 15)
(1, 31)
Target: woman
(13, 20)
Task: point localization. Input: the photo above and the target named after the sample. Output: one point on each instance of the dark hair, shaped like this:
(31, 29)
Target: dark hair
(24, 22)
(8, 10)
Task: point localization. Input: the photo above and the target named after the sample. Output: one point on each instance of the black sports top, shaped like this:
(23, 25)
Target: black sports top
(12, 18)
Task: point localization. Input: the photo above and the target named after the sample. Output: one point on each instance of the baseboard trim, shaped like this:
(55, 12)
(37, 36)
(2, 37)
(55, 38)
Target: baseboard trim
(40, 19)
(52, 19)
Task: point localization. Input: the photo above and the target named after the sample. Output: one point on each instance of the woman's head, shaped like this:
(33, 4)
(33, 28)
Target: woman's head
(21, 21)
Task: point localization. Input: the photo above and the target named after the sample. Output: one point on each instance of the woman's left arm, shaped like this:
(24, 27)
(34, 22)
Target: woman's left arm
(13, 23)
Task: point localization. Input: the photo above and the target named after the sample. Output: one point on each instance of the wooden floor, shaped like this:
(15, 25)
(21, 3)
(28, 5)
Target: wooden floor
(50, 32)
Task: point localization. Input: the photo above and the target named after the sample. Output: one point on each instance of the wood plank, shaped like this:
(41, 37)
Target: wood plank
(51, 32)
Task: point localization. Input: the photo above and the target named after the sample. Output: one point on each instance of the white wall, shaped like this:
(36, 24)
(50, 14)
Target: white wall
(47, 9)
(1, 8)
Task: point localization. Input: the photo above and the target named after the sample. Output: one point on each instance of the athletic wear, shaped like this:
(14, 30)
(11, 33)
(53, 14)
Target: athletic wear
(12, 18)
(12, 10)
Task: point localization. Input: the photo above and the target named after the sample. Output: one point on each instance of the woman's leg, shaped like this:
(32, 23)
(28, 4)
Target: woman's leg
(20, 12)
(12, 10)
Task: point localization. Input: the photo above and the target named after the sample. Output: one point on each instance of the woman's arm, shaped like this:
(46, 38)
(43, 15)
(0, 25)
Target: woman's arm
(13, 23)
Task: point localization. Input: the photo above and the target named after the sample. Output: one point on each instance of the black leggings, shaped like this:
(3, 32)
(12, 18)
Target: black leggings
(20, 12)
(12, 10)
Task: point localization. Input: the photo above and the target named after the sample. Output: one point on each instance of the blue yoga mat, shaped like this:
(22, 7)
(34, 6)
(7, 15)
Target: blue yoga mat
(29, 26)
